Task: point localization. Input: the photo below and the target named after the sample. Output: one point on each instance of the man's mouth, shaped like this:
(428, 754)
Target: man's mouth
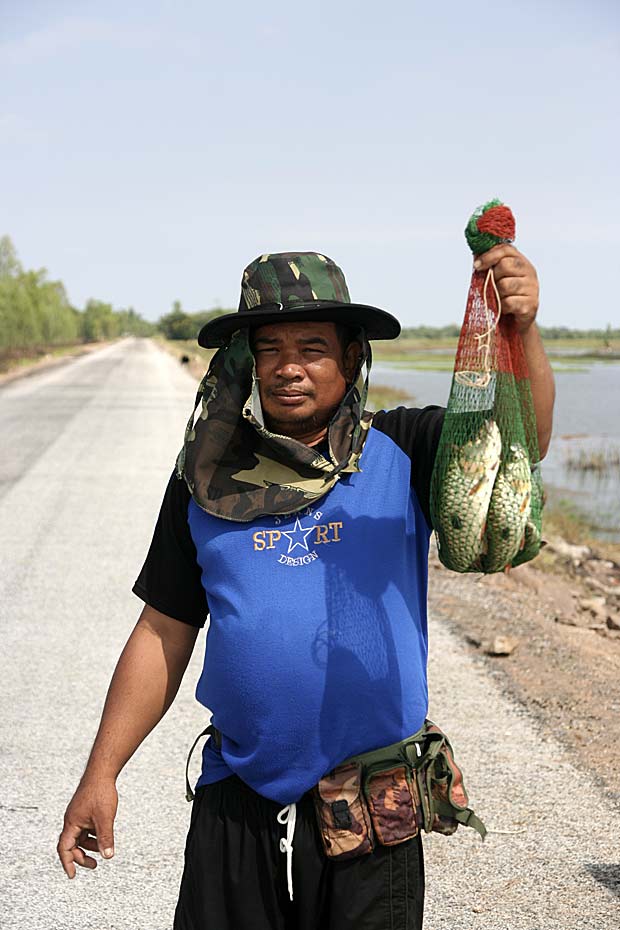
(290, 398)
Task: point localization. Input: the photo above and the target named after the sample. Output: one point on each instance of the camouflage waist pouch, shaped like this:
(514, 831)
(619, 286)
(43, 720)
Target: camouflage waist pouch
(390, 794)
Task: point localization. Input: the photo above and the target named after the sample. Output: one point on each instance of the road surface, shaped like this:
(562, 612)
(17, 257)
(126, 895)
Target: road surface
(86, 452)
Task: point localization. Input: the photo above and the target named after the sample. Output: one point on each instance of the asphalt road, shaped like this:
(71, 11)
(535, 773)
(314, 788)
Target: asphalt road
(86, 450)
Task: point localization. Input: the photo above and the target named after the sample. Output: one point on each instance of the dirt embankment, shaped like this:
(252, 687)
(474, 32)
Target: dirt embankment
(550, 632)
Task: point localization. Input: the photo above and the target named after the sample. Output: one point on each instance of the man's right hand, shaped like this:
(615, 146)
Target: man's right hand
(89, 825)
(144, 684)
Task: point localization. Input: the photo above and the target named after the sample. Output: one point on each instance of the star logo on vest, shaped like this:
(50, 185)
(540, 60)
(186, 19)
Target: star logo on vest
(298, 531)
(304, 537)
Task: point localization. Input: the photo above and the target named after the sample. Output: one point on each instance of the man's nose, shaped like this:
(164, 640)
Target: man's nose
(290, 367)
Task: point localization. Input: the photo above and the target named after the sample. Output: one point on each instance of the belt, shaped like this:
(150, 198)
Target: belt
(217, 739)
(424, 753)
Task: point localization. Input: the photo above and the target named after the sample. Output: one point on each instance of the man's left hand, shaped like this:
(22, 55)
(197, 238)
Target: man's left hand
(516, 280)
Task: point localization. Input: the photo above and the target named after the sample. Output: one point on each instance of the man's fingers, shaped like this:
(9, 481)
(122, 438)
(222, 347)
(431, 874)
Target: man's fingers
(71, 846)
(66, 844)
(521, 309)
(90, 843)
(511, 266)
(516, 282)
(89, 825)
(105, 837)
(519, 306)
(493, 256)
(74, 840)
(514, 287)
(66, 859)
(87, 862)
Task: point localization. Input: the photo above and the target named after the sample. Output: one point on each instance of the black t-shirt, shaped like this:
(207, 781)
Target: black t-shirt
(170, 579)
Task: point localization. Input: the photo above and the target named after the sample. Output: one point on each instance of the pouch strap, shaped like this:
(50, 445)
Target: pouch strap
(467, 817)
(217, 739)
(432, 744)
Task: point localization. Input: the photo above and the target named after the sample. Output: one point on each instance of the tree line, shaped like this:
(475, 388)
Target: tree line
(35, 311)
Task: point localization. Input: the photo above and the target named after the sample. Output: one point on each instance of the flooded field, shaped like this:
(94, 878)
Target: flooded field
(586, 429)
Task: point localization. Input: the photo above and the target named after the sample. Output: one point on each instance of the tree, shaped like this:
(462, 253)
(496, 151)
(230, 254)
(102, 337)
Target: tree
(177, 324)
(180, 325)
(99, 322)
(9, 263)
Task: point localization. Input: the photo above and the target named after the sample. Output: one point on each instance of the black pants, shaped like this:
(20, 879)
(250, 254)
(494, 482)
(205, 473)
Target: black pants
(235, 875)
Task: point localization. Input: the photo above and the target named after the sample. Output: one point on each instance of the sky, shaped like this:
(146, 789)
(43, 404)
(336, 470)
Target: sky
(149, 151)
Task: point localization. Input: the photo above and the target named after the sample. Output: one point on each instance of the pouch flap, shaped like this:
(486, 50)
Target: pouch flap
(342, 784)
(392, 805)
(342, 815)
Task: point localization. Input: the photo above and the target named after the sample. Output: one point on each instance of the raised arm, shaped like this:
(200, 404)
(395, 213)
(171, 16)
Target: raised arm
(144, 685)
(517, 283)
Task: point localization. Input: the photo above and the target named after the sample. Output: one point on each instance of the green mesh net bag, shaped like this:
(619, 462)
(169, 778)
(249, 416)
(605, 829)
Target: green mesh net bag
(486, 490)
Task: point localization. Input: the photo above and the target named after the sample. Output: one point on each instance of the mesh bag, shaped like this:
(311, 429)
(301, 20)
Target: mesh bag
(486, 491)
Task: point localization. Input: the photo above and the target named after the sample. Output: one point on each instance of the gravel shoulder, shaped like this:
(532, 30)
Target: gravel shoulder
(550, 860)
(565, 665)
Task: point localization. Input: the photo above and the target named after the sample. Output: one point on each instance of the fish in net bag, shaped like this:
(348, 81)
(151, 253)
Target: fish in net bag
(486, 489)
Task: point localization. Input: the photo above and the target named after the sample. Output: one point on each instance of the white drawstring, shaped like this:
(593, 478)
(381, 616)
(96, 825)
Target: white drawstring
(288, 816)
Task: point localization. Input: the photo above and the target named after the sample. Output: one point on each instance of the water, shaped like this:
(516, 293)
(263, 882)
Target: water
(587, 417)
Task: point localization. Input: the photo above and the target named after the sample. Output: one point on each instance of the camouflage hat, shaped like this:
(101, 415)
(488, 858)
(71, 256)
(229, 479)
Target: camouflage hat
(296, 286)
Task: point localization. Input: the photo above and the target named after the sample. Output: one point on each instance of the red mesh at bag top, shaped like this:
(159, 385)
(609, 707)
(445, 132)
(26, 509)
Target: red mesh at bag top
(505, 348)
(498, 221)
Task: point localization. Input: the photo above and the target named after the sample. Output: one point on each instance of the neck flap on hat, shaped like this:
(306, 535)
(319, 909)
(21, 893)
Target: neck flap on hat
(238, 470)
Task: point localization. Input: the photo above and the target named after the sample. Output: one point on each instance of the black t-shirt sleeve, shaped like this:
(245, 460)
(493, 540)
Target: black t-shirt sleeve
(170, 577)
(416, 431)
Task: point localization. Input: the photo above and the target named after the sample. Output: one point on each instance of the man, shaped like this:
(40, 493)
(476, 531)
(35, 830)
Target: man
(300, 524)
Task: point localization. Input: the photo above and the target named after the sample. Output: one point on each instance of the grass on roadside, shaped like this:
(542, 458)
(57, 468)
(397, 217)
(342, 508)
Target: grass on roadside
(15, 361)
(187, 347)
(197, 358)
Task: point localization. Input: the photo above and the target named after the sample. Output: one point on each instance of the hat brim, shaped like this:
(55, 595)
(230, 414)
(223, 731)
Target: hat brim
(377, 324)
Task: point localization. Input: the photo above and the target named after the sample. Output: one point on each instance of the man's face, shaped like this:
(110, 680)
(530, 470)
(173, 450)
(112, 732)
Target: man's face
(303, 371)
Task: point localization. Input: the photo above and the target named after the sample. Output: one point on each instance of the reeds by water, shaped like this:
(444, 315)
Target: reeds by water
(600, 461)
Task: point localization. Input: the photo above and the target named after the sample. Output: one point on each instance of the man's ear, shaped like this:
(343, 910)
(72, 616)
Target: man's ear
(350, 359)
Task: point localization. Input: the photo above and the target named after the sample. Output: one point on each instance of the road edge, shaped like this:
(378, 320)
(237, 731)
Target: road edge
(47, 364)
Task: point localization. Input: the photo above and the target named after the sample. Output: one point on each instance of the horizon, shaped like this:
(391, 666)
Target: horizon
(176, 304)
